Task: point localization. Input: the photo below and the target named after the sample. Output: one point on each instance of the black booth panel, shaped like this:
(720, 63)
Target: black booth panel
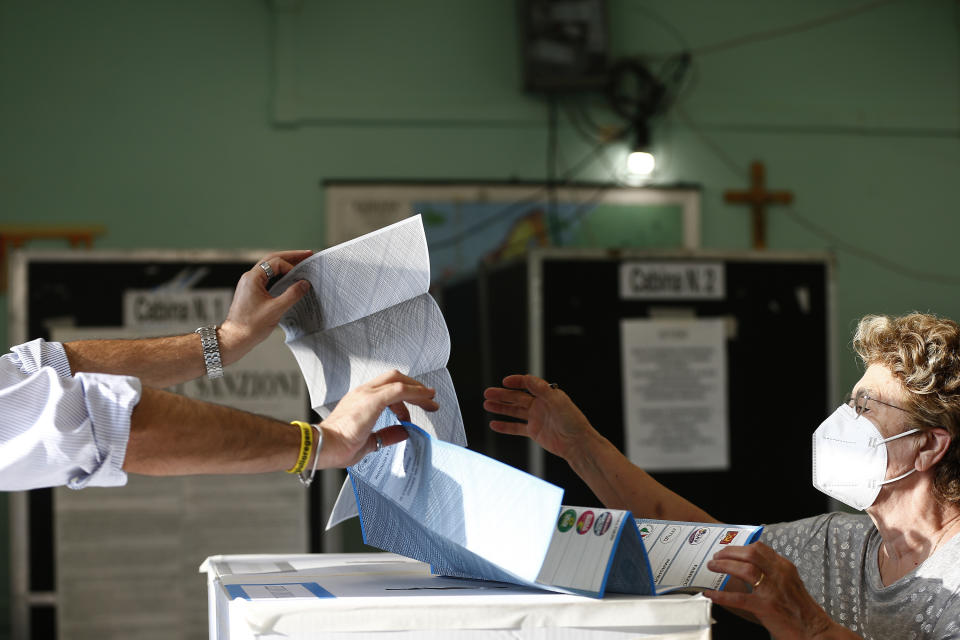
(506, 311)
(91, 291)
(458, 302)
(777, 363)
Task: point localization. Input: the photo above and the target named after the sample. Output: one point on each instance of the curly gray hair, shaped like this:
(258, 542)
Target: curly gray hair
(923, 352)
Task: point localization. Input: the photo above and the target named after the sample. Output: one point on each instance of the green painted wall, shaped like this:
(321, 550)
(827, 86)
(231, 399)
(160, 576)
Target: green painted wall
(210, 124)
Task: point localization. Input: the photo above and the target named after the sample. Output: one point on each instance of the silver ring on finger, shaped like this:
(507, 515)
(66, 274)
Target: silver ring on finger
(267, 270)
(379, 439)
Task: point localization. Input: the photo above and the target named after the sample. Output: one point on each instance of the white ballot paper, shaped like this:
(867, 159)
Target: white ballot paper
(471, 516)
(369, 311)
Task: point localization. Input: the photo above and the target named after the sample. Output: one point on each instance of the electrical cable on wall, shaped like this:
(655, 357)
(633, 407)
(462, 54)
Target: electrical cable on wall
(741, 172)
(694, 52)
(760, 36)
(552, 160)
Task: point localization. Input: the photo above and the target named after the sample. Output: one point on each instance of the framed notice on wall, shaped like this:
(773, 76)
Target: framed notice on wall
(674, 373)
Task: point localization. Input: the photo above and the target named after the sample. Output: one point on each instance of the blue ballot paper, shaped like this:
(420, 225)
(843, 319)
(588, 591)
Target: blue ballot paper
(471, 516)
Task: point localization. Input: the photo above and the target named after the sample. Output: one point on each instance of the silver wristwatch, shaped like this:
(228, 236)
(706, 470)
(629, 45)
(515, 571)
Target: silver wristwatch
(211, 351)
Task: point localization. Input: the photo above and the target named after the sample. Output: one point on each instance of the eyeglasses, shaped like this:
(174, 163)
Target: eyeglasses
(862, 401)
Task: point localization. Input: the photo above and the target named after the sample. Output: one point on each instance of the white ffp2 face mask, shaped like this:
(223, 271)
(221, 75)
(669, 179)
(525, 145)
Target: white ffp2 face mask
(850, 458)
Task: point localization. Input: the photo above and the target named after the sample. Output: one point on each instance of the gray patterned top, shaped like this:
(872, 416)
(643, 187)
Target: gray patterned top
(836, 555)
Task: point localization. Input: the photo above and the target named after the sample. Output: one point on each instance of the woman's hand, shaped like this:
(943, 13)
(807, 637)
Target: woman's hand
(347, 433)
(549, 417)
(768, 587)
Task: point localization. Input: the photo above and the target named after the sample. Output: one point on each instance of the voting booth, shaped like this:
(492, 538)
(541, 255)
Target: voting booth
(371, 596)
(121, 562)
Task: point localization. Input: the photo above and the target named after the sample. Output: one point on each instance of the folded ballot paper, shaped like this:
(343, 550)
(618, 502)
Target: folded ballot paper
(368, 312)
(471, 516)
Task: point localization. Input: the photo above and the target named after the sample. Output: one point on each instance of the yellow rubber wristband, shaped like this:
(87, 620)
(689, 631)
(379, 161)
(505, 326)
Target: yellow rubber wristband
(306, 446)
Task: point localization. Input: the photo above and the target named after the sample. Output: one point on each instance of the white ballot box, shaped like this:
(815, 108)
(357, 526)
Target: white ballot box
(360, 596)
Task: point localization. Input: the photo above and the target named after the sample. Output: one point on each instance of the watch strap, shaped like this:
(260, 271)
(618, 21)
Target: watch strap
(211, 351)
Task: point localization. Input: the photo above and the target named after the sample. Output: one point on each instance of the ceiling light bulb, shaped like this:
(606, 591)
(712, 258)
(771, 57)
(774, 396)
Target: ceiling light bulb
(640, 163)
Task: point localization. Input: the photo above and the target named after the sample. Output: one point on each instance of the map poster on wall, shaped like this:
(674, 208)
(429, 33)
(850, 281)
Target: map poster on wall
(471, 223)
(675, 393)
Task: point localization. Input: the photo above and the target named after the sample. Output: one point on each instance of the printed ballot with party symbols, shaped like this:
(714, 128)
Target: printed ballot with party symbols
(471, 516)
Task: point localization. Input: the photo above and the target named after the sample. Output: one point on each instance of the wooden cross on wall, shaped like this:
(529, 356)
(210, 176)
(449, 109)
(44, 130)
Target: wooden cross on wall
(758, 198)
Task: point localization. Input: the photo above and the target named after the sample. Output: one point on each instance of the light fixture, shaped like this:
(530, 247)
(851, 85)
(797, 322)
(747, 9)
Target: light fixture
(636, 95)
(640, 162)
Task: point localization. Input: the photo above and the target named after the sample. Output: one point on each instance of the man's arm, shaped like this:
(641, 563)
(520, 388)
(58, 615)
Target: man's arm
(163, 362)
(175, 435)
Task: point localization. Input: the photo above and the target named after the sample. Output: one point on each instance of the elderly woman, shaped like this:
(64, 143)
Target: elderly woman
(893, 450)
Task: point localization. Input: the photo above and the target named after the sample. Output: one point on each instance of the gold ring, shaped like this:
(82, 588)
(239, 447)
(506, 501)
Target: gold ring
(759, 580)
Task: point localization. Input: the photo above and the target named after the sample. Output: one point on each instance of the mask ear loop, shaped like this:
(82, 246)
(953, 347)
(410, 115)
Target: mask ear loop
(900, 477)
(876, 443)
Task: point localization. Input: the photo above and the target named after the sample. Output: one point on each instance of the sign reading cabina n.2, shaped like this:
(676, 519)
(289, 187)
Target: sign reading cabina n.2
(673, 280)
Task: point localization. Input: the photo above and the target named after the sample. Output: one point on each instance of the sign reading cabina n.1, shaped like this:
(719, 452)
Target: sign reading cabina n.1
(673, 280)
(149, 308)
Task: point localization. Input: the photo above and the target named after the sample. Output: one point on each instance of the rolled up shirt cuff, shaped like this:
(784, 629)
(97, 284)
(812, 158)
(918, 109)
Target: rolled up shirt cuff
(31, 356)
(110, 400)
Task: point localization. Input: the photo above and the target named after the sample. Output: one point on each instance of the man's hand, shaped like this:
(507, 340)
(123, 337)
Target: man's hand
(254, 313)
(162, 362)
(347, 433)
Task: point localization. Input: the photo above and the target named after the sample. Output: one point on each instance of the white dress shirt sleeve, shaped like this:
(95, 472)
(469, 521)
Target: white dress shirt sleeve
(59, 429)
